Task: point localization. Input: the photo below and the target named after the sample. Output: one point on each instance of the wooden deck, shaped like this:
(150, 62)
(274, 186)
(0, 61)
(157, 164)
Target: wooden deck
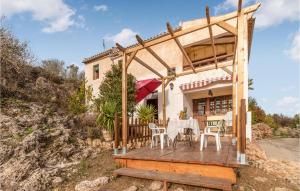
(186, 154)
(212, 167)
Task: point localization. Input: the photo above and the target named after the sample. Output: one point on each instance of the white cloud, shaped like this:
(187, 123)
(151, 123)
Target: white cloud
(229, 4)
(289, 104)
(270, 13)
(125, 37)
(294, 50)
(57, 15)
(101, 7)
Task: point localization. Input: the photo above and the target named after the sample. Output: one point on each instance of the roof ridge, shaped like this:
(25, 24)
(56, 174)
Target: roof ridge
(114, 50)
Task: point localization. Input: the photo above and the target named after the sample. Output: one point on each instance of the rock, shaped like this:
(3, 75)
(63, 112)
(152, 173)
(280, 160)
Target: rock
(131, 188)
(57, 181)
(156, 185)
(90, 185)
(260, 179)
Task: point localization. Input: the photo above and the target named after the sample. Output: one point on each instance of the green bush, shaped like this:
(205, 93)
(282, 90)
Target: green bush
(146, 112)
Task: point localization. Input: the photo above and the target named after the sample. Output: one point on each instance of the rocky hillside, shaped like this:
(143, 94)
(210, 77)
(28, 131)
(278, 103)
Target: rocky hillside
(38, 145)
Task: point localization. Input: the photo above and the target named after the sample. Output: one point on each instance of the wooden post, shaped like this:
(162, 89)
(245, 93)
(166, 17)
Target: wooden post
(234, 96)
(164, 102)
(124, 104)
(240, 84)
(243, 115)
(116, 131)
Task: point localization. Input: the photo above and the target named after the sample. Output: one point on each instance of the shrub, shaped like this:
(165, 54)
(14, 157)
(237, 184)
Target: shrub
(107, 115)
(146, 112)
(78, 102)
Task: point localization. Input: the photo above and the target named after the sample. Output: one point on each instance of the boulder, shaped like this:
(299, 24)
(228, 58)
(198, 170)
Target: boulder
(156, 185)
(91, 185)
(131, 188)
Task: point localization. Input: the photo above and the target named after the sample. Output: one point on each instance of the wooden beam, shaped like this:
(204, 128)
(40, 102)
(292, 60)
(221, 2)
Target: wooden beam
(124, 105)
(163, 93)
(147, 66)
(182, 32)
(201, 69)
(171, 31)
(150, 50)
(131, 57)
(211, 35)
(227, 27)
(121, 48)
(241, 72)
(240, 4)
(227, 71)
(168, 81)
(234, 93)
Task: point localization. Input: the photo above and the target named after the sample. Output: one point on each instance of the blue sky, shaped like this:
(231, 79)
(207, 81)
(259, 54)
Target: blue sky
(72, 30)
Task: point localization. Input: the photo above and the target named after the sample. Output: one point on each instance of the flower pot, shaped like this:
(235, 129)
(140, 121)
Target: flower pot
(106, 135)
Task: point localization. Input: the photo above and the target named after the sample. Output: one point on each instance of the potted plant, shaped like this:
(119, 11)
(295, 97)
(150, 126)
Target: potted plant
(106, 119)
(183, 114)
(146, 112)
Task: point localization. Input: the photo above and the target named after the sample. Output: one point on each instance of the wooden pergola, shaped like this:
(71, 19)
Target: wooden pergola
(240, 60)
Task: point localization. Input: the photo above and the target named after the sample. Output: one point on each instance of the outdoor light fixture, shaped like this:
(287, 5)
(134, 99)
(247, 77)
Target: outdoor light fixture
(210, 93)
(171, 86)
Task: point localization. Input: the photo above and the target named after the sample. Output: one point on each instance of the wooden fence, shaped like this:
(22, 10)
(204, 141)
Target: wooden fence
(137, 131)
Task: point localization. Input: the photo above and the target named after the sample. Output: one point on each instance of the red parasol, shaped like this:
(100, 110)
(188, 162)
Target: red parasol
(145, 87)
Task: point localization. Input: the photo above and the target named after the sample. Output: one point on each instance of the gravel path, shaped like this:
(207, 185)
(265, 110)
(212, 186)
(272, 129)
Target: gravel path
(282, 148)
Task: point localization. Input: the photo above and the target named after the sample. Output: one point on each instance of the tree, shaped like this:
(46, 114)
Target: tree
(54, 67)
(296, 121)
(110, 89)
(258, 114)
(72, 72)
(15, 56)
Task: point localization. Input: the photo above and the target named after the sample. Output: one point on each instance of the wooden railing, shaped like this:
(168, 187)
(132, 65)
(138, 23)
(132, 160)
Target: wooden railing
(137, 130)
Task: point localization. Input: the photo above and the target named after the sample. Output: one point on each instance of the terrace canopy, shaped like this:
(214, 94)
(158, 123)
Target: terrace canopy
(145, 87)
(237, 24)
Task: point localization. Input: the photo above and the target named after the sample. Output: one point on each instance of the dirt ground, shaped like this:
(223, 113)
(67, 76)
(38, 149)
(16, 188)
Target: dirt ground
(102, 165)
(282, 148)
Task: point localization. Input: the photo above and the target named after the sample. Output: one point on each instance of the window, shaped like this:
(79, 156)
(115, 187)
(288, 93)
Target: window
(96, 72)
(212, 105)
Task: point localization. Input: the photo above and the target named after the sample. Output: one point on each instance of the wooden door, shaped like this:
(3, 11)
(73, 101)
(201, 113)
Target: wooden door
(199, 112)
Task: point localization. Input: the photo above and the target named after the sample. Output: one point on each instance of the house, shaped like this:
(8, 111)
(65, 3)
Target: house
(203, 67)
(206, 94)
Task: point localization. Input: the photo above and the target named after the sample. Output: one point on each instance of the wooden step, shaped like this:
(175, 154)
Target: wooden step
(188, 179)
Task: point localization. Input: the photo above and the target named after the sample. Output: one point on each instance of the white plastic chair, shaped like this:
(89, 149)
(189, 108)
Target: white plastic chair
(228, 121)
(158, 132)
(208, 132)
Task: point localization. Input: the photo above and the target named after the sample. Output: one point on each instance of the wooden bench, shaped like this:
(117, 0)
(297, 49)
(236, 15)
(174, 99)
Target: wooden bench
(188, 179)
